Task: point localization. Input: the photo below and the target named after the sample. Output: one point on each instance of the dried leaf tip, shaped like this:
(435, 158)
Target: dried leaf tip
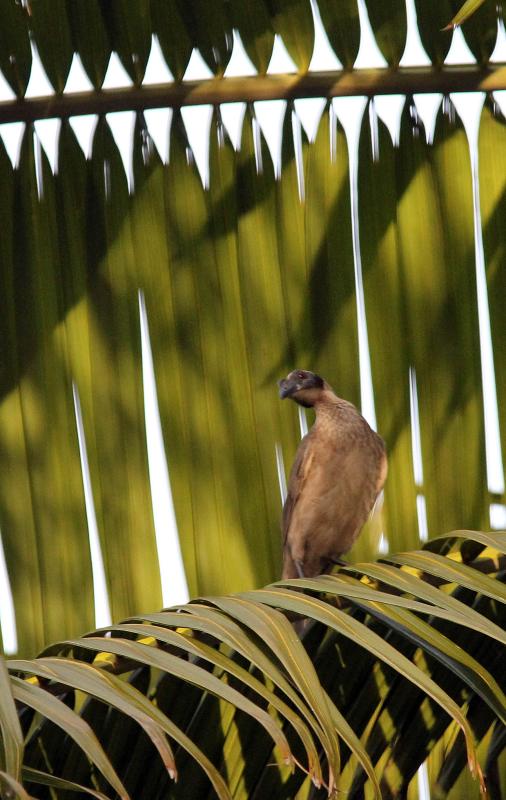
(466, 10)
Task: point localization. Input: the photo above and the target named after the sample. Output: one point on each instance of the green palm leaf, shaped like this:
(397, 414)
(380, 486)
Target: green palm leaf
(243, 651)
(251, 275)
(12, 737)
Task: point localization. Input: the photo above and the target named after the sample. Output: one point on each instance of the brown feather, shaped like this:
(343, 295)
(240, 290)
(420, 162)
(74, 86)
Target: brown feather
(339, 469)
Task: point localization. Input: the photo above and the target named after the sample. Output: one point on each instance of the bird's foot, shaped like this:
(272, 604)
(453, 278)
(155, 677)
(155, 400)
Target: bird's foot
(339, 562)
(299, 567)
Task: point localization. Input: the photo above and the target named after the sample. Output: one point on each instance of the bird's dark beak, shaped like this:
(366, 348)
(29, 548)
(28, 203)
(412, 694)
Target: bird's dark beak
(287, 387)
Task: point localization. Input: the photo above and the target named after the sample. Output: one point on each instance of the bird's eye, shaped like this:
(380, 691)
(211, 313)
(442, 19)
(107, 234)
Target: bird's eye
(301, 375)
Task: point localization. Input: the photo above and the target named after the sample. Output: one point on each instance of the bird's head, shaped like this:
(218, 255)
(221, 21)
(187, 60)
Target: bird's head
(302, 386)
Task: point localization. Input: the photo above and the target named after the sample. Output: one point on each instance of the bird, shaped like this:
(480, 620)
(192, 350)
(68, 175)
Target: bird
(339, 470)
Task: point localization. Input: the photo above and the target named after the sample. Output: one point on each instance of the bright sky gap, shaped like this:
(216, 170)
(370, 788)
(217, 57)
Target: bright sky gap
(172, 572)
(7, 613)
(280, 465)
(102, 607)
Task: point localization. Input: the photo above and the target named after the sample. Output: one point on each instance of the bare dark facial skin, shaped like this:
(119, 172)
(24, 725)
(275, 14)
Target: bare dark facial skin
(301, 386)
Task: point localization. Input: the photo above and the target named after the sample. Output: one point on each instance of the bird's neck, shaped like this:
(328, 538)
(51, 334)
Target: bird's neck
(332, 409)
(326, 397)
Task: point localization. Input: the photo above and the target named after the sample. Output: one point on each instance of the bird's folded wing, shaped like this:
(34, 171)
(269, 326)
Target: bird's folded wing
(298, 475)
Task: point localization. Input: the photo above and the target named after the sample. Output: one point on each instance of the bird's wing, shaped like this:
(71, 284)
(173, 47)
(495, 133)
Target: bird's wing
(301, 465)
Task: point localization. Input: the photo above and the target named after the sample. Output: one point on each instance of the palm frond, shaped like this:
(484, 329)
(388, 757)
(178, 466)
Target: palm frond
(382, 643)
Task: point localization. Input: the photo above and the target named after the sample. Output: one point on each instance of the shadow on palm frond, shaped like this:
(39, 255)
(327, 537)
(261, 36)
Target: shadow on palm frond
(396, 655)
